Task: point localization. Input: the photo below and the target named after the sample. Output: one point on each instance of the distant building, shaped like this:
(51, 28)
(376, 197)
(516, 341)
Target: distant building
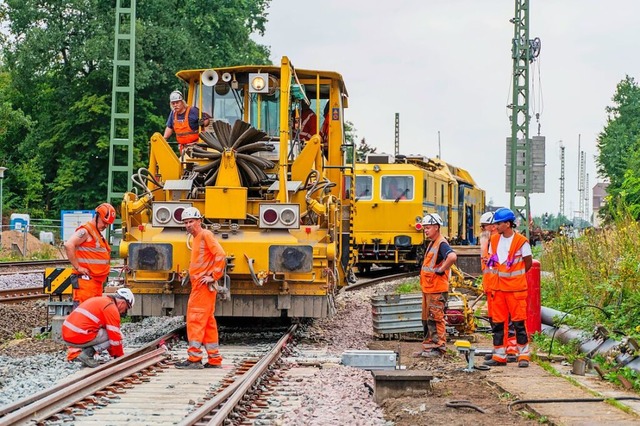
(599, 193)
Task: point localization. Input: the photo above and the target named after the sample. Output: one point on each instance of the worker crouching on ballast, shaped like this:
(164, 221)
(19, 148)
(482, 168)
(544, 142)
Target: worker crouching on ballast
(94, 326)
(434, 282)
(510, 254)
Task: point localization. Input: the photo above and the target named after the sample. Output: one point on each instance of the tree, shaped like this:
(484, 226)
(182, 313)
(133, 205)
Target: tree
(58, 90)
(618, 144)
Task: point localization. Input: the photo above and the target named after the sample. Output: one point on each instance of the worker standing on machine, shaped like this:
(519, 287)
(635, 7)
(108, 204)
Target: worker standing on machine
(207, 266)
(434, 282)
(510, 254)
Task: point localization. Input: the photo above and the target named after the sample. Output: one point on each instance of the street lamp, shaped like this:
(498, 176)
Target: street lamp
(2, 169)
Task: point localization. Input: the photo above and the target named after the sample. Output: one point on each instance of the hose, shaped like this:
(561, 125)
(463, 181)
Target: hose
(562, 400)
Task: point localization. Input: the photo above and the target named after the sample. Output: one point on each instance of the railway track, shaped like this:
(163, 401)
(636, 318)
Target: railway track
(31, 266)
(16, 295)
(380, 276)
(143, 387)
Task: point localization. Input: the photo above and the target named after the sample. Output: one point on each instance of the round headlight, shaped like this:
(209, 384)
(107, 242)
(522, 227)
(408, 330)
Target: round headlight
(270, 216)
(287, 217)
(258, 83)
(163, 215)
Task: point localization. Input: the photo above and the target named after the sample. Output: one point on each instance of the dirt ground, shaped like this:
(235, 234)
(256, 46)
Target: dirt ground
(16, 243)
(450, 384)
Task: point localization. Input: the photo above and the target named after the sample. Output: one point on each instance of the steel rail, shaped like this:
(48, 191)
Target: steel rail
(367, 283)
(27, 263)
(234, 393)
(79, 390)
(88, 374)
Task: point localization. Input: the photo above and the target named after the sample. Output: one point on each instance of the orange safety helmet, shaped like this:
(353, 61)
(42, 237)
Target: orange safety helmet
(106, 212)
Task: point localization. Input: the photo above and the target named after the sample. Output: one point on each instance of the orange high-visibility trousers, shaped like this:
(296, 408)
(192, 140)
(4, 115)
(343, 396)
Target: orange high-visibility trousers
(433, 314)
(202, 328)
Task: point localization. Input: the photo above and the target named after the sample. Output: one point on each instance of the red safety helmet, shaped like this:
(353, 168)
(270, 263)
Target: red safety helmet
(106, 212)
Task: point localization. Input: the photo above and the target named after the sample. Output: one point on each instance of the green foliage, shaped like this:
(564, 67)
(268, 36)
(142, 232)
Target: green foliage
(55, 86)
(408, 287)
(19, 335)
(614, 373)
(600, 268)
(618, 144)
(542, 344)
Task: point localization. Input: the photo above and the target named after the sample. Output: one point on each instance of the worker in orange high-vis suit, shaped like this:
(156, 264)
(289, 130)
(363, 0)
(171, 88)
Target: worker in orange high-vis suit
(208, 262)
(434, 282)
(184, 121)
(94, 326)
(90, 255)
(510, 254)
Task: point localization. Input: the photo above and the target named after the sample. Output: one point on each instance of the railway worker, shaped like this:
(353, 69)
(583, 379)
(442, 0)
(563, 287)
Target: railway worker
(510, 254)
(208, 262)
(434, 282)
(94, 326)
(489, 275)
(184, 121)
(90, 254)
(308, 122)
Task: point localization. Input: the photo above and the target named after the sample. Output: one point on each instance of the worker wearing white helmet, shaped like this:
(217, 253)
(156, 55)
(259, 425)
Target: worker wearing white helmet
(207, 266)
(94, 326)
(184, 120)
(434, 282)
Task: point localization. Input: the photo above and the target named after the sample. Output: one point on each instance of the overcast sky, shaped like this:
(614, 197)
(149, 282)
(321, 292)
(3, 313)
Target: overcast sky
(446, 66)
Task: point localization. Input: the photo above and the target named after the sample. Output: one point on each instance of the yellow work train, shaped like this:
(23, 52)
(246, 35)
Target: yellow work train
(276, 203)
(391, 197)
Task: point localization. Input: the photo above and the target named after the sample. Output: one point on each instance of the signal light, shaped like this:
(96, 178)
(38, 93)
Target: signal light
(418, 226)
(270, 216)
(177, 214)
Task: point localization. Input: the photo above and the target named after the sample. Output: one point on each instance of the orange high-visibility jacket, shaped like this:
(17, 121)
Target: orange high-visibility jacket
(184, 133)
(430, 282)
(511, 274)
(95, 254)
(84, 322)
(489, 272)
(207, 257)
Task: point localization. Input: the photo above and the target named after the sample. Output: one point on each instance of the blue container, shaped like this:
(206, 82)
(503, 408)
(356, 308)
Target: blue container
(19, 222)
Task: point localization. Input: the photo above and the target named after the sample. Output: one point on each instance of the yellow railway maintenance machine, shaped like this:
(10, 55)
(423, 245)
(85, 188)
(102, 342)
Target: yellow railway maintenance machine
(391, 197)
(274, 201)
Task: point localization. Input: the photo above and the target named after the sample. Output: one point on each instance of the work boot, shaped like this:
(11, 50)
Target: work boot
(86, 357)
(487, 357)
(433, 353)
(207, 365)
(511, 358)
(189, 365)
(493, 363)
(523, 363)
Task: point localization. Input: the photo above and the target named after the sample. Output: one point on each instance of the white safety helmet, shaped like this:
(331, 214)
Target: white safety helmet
(176, 95)
(486, 218)
(432, 219)
(127, 295)
(191, 213)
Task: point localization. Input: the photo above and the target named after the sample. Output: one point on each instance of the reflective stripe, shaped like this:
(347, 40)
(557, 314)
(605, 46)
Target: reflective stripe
(211, 346)
(72, 327)
(114, 342)
(92, 261)
(512, 274)
(489, 271)
(113, 328)
(93, 249)
(195, 344)
(87, 314)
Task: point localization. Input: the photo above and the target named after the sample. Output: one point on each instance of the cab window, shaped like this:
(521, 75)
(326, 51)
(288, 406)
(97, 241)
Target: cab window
(397, 188)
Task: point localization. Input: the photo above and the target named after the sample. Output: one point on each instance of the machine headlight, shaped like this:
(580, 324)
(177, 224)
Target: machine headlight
(287, 217)
(163, 215)
(258, 83)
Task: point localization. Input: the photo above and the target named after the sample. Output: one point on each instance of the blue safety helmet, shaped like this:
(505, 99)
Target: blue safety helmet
(504, 215)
